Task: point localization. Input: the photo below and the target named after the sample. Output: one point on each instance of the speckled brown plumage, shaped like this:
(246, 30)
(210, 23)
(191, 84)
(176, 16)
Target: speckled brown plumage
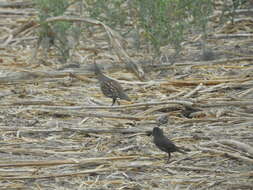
(110, 87)
(163, 143)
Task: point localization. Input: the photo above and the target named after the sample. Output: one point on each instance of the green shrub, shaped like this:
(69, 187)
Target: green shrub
(228, 10)
(54, 34)
(161, 22)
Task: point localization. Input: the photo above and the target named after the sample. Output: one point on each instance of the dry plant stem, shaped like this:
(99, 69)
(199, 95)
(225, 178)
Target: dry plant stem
(32, 77)
(42, 152)
(217, 87)
(213, 63)
(32, 102)
(238, 145)
(116, 107)
(112, 130)
(225, 103)
(63, 162)
(122, 55)
(189, 168)
(248, 174)
(23, 28)
(30, 129)
(236, 113)
(227, 36)
(244, 11)
(92, 171)
(205, 120)
(80, 78)
(227, 154)
(37, 76)
(245, 93)
(232, 149)
(172, 172)
(22, 76)
(212, 184)
(237, 11)
(87, 114)
(19, 151)
(189, 156)
(157, 108)
(16, 12)
(194, 91)
(16, 4)
(131, 166)
(208, 82)
(114, 38)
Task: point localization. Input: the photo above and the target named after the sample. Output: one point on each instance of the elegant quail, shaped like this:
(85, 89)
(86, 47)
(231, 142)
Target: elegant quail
(163, 143)
(162, 120)
(110, 87)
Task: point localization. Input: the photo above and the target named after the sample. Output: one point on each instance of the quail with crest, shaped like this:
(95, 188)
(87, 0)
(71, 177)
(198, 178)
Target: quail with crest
(110, 88)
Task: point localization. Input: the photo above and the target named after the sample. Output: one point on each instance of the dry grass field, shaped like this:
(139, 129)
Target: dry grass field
(58, 131)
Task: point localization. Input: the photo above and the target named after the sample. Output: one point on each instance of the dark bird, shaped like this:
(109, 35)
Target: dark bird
(163, 143)
(162, 120)
(110, 87)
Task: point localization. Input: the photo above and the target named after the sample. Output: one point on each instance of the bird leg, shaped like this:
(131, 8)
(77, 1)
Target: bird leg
(168, 156)
(113, 101)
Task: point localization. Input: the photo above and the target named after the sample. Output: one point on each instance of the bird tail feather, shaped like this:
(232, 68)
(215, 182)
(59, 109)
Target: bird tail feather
(180, 150)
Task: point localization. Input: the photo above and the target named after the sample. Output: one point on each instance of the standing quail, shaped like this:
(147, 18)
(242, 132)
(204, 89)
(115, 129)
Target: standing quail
(110, 87)
(163, 143)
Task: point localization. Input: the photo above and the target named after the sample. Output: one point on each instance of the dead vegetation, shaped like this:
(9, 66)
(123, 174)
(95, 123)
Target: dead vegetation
(59, 132)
